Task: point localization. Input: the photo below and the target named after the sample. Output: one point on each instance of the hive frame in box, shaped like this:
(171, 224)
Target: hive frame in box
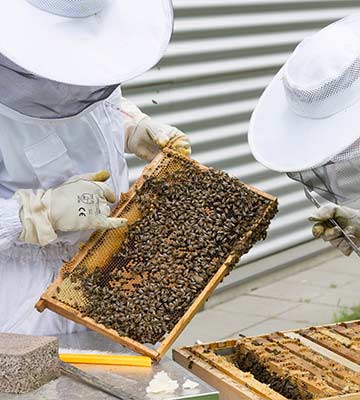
(48, 302)
(208, 362)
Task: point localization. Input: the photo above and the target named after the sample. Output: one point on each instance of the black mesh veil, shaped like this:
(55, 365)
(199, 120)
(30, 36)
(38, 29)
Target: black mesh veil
(38, 97)
(338, 181)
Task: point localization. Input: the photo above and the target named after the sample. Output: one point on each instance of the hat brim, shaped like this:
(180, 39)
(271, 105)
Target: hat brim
(121, 42)
(286, 142)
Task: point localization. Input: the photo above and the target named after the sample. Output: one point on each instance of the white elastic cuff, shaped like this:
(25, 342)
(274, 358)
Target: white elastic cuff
(132, 117)
(37, 228)
(10, 223)
(131, 111)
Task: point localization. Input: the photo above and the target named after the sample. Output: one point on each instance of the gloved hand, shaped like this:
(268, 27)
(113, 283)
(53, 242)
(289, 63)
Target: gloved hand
(144, 136)
(347, 218)
(79, 204)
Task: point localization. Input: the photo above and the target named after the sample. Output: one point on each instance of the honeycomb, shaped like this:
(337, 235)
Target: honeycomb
(184, 222)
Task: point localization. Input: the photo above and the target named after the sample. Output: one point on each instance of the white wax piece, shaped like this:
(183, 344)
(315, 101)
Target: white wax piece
(188, 384)
(162, 383)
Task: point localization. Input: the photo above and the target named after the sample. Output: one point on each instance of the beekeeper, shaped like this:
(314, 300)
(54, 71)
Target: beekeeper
(307, 124)
(64, 129)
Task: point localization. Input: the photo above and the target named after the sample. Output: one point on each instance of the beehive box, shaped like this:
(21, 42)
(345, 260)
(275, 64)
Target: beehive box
(319, 363)
(140, 286)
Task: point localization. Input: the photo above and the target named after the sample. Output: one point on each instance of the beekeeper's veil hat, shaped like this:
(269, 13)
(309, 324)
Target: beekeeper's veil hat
(307, 123)
(85, 42)
(310, 112)
(58, 58)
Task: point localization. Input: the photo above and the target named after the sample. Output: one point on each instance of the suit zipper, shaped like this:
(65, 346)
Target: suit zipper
(111, 159)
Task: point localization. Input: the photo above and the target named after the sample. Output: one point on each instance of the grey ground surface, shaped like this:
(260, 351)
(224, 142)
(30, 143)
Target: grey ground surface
(302, 299)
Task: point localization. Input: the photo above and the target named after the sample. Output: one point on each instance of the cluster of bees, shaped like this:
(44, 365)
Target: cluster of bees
(191, 221)
(248, 362)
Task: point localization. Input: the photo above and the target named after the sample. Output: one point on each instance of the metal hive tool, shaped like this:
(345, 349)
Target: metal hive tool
(153, 299)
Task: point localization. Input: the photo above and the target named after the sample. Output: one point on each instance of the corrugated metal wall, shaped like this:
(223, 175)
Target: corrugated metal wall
(222, 56)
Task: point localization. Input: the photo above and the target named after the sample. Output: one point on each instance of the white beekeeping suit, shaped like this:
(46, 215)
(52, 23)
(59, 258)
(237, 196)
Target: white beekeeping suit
(307, 125)
(62, 118)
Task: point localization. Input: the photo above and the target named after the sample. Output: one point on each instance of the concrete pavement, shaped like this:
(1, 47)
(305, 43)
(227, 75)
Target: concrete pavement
(303, 299)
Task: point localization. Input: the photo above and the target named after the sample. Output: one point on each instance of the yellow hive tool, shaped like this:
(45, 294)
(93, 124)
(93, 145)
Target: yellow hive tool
(105, 359)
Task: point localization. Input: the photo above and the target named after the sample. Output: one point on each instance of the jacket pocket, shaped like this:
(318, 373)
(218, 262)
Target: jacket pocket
(50, 160)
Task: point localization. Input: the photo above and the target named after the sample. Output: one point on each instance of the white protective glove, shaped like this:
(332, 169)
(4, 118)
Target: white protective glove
(79, 204)
(347, 218)
(144, 136)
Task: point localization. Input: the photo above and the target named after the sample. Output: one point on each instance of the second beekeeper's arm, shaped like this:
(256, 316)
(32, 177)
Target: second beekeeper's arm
(347, 218)
(144, 136)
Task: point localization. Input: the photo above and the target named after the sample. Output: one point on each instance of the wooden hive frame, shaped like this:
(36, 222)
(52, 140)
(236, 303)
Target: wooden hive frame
(47, 301)
(213, 362)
